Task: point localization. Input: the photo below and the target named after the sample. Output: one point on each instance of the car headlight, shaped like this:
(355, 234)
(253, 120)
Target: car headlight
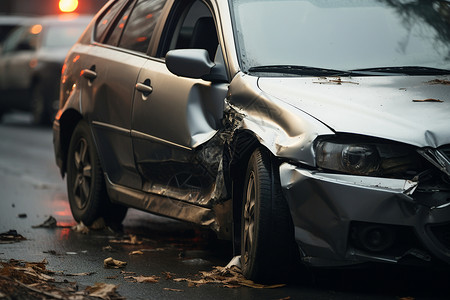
(366, 158)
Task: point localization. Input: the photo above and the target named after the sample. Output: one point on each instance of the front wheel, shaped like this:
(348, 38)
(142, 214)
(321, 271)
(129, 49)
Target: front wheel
(85, 181)
(266, 228)
(38, 106)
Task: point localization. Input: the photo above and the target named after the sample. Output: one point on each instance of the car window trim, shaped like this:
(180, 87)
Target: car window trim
(109, 28)
(152, 49)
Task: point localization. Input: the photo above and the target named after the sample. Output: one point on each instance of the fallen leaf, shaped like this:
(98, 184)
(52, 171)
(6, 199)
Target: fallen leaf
(141, 279)
(49, 223)
(439, 81)
(228, 277)
(111, 263)
(172, 290)
(127, 273)
(80, 274)
(108, 248)
(137, 252)
(133, 240)
(429, 100)
(11, 237)
(81, 228)
(168, 275)
(102, 290)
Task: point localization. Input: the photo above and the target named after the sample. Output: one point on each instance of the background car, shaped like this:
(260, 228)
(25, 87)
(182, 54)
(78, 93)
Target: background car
(299, 129)
(31, 59)
(9, 23)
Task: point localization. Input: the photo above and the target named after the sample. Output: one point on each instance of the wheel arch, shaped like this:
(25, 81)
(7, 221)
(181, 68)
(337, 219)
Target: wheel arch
(245, 142)
(67, 122)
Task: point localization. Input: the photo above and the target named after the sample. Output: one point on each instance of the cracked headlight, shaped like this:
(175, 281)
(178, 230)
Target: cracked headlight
(367, 158)
(358, 159)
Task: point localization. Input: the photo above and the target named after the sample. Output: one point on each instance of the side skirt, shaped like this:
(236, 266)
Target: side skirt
(162, 205)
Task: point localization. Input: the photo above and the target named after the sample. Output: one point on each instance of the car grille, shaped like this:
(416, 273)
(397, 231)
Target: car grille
(442, 234)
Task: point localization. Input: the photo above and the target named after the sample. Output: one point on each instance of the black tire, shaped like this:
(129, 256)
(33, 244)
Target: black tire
(38, 106)
(85, 181)
(267, 236)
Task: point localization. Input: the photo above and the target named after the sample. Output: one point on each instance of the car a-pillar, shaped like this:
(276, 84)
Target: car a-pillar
(263, 231)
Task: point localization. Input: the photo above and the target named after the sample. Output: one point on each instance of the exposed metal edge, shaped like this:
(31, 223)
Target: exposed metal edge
(113, 127)
(161, 205)
(140, 135)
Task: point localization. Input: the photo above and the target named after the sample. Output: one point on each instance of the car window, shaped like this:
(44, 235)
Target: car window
(23, 38)
(195, 28)
(141, 24)
(104, 22)
(117, 29)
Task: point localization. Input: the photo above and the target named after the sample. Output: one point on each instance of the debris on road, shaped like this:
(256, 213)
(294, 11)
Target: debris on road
(104, 291)
(80, 274)
(168, 275)
(137, 252)
(10, 236)
(108, 248)
(49, 223)
(22, 216)
(439, 81)
(111, 263)
(172, 290)
(81, 228)
(229, 277)
(141, 279)
(133, 240)
(31, 280)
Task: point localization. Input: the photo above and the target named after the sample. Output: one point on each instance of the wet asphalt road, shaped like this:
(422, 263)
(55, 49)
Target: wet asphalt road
(30, 184)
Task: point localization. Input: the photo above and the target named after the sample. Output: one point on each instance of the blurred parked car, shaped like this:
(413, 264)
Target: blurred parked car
(9, 23)
(307, 129)
(31, 59)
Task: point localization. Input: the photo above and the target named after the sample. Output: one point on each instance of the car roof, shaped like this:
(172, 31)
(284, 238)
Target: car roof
(59, 19)
(12, 20)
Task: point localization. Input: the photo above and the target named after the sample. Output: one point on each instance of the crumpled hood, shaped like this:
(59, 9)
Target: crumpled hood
(410, 109)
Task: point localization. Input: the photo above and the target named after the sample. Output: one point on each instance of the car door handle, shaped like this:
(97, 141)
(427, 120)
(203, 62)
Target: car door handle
(88, 74)
(144, 88)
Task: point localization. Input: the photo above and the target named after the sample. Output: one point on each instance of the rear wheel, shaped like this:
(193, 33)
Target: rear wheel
(266, 228)
(85, 181)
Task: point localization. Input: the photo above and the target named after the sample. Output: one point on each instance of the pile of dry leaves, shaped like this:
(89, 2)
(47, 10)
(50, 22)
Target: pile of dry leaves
(32, 280)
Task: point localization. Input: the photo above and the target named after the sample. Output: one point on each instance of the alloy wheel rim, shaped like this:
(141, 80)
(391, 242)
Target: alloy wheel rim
(83, 176)
(249, 217)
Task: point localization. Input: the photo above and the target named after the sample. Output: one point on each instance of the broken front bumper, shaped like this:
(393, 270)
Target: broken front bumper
(329, 209)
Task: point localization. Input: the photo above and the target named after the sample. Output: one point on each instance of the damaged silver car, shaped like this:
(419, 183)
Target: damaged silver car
(316, 130)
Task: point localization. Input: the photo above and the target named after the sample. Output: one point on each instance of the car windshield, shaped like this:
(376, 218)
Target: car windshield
(62, 35)
(342, 35)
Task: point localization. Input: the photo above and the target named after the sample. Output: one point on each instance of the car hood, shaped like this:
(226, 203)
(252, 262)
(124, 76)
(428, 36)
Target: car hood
(409, 109)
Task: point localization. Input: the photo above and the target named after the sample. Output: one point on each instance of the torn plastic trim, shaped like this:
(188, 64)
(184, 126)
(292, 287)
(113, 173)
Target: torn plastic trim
(389, 185)
(358, 254)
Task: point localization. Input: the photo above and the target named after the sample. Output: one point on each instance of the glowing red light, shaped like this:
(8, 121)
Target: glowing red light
(68, 5)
